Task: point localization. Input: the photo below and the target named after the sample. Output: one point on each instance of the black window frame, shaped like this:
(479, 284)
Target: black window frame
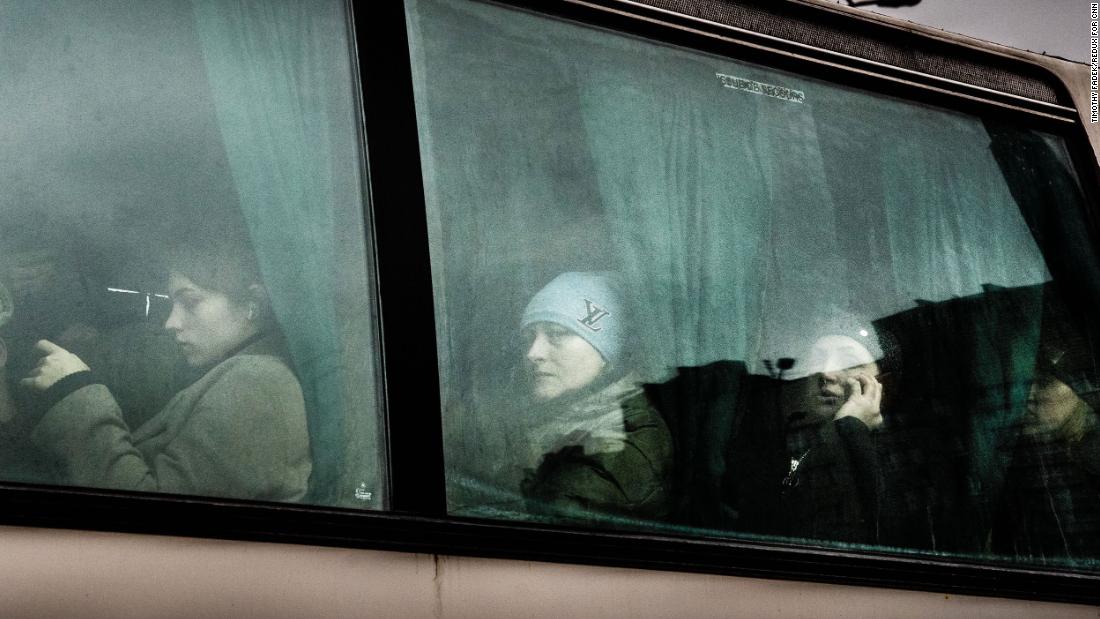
(417, 519)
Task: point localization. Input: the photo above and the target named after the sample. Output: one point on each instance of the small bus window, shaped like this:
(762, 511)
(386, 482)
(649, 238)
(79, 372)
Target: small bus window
(681, 293)
(186, 303)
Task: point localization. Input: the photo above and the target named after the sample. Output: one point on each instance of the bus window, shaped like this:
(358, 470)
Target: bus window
(187, 303)
(683, 293)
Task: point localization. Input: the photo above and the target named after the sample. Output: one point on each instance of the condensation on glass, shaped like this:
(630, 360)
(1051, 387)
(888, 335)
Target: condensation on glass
(686, 294)
(186, 305)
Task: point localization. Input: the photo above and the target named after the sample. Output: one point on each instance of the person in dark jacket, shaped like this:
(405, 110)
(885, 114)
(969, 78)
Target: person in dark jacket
(803, 462)
(833, 483)
(596, 447)
(1050, 511)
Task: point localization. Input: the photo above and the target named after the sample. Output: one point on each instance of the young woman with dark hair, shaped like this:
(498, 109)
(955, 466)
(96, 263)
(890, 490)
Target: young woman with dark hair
(237, 431)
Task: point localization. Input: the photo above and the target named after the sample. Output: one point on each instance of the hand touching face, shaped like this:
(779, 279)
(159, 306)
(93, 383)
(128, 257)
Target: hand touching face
(862, 397)
(844, 381)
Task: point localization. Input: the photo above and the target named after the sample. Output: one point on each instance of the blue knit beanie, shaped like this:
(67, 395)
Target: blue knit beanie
(588, 304)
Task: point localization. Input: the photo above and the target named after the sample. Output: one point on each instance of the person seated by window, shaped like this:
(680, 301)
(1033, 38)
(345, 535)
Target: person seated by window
(1051, 507)
(239, 430)
(832, 487)
(596, 446)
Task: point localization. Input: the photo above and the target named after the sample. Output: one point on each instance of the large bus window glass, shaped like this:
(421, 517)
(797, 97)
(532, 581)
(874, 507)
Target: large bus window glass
(682, 293)
(187, 305)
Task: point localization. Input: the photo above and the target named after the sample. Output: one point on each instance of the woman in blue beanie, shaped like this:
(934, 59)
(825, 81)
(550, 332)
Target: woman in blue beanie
(596, 447)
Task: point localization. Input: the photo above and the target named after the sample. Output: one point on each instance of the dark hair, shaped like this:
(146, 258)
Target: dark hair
(223, 263)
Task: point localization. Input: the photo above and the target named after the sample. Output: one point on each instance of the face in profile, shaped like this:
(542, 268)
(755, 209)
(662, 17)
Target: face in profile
(1050, 404)
(833, 361)
(559, 361)
(208, 326)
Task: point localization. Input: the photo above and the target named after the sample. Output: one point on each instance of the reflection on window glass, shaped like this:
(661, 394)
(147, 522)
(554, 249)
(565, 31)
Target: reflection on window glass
(185, 304)
(688, 294)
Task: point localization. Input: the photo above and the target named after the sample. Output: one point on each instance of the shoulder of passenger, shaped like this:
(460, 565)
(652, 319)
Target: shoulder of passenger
(255, 364)
(639, 414)
(256, 373)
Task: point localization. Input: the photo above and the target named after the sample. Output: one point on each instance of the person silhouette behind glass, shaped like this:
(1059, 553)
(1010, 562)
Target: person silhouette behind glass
(833, 483)
(1051, 507)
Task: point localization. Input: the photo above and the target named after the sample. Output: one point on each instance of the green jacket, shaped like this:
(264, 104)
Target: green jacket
(608, 454)
(239, 431)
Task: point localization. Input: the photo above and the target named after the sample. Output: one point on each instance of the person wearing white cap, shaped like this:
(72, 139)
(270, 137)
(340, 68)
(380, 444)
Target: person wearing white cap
(844, 381)
(833, 488)
(596, 447)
